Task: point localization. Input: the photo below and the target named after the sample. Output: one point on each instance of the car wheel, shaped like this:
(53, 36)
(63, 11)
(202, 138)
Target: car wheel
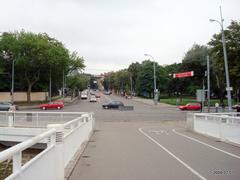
(58, 107)
(43, 108)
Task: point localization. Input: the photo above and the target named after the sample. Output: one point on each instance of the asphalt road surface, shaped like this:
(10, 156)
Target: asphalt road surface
(150, 143)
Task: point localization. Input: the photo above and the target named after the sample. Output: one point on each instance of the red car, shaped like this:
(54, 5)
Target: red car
(58, 104)
(190, 106)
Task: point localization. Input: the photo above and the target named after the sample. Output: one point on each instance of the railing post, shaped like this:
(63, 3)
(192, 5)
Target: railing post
(17, 162)
(10, 119)
(37, 121)
(85, 118)
(59, 154)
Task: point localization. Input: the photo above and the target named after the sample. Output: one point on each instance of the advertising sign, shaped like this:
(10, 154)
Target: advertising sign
(183, 74)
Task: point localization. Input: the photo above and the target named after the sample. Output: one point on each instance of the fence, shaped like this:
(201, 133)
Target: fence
(225, 126)
(22, 96)
(63, 141)
(35, 119)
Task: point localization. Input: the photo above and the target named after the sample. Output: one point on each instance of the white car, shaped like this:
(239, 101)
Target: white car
(83, 96)
(93, 99)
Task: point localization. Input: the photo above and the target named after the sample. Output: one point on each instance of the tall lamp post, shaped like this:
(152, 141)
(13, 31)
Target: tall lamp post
(228, 88)
(6, 56)
(154, 78)
(12, 89)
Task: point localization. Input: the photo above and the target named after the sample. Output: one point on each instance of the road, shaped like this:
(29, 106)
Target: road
(150, 143)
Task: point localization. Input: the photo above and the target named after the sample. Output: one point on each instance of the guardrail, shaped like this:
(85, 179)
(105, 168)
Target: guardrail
(63, 141)
(35, 119)
(225, 126)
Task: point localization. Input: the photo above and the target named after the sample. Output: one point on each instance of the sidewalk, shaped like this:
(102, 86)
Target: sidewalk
(151, 102)
(67, 101)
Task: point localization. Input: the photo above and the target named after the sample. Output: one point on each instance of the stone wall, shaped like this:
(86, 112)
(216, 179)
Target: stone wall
(22, 96)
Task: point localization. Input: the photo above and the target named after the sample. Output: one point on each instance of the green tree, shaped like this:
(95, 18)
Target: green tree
(232, 35)
(194, 60)
(37, 57)
(133, 70)
(77, 82)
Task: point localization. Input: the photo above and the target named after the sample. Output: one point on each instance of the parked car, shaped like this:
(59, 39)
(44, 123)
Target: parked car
(83, 96)
(58, 104)
(107, 92)
(190, 106)
(93, 99)
(236, 106)
(113, 105)
(6, 106)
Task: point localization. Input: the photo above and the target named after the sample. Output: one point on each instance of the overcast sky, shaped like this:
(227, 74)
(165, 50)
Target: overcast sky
(111, 34)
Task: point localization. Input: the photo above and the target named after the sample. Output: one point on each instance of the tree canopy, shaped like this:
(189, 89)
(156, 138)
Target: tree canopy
(37, 57)
(194, 60)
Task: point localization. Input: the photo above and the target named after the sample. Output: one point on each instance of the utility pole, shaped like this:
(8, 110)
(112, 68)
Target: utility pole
(50, 85)
(154, 80)
(208, 82)
(12, 89)
(228, 88)
(63, 88)
(131, 85)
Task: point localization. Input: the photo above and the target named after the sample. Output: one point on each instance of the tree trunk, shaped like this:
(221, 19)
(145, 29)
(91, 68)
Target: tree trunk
(238, 95)
(29, 93)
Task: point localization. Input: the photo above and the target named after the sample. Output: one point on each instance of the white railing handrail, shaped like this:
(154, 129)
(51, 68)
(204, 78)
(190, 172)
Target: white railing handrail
(217, 115)
(25, 144)
(40, 112)
(72, 121)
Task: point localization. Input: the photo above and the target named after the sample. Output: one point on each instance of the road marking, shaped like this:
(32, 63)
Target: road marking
(203, 143)
(160, 132)
(171, 154)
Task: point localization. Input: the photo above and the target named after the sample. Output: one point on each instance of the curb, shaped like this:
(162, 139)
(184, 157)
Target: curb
(66, 103)
(151, 104)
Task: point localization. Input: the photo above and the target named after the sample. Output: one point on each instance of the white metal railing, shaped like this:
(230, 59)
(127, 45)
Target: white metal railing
(225, 126)
(35, 119)
(15, 152)
(63, 142)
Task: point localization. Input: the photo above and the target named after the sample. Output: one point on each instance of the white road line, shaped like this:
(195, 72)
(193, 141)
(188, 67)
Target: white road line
(203, 143)
(175, 157)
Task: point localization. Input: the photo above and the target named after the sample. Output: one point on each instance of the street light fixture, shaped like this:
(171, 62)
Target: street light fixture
(154, 78)
(228, 88)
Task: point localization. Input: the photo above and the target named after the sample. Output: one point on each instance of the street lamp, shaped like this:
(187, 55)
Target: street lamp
(228, 88)
(154, 78)
(12, 89)
(6, 56)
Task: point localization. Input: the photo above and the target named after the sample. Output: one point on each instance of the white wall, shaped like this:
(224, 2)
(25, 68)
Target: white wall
(224, 127)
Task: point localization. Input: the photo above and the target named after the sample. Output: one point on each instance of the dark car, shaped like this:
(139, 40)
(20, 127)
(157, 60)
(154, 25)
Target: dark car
(113, 105)
(5, 106)
(237, 107)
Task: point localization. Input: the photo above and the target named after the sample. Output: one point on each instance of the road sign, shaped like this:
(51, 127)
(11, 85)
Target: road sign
(200, 95)
(229, 89)
(183, 74)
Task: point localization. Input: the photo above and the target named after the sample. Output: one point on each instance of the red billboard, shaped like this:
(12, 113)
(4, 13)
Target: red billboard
(183, 74)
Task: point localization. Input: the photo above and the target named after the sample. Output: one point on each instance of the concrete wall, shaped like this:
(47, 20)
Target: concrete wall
(223, 126)
(22, 96)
